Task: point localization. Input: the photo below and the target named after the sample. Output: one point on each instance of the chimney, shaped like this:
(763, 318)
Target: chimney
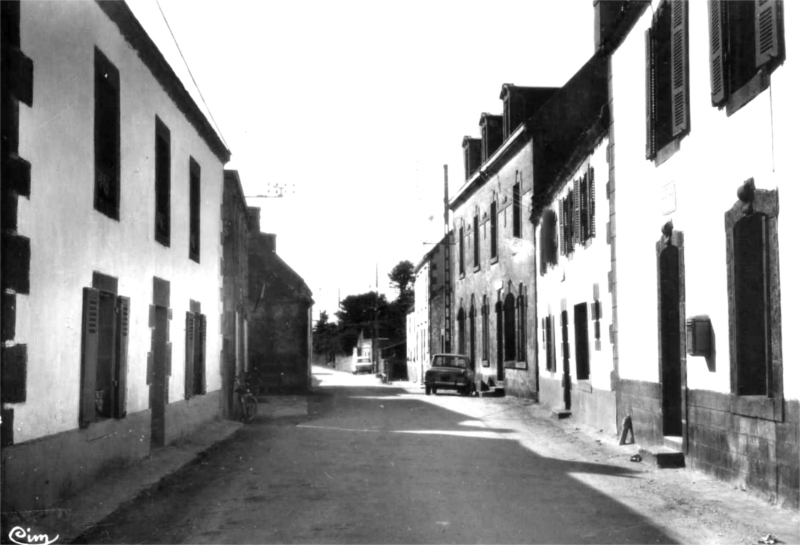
(254, 219)
(270, 244)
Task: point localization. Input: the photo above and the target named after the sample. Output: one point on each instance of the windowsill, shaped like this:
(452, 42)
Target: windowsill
(747, 92)
(476, 268)
(585, 385)
(461, 275)
(763, 407)
(667, 151)
(485, 363)
(493, 260)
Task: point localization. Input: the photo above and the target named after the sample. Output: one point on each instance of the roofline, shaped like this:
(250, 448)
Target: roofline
(133, 32)
(519, 137)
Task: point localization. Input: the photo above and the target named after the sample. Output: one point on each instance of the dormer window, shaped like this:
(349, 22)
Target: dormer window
(491, 134)
(472, 155)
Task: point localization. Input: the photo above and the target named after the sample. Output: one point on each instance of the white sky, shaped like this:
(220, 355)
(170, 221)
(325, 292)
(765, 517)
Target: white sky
(357, 105)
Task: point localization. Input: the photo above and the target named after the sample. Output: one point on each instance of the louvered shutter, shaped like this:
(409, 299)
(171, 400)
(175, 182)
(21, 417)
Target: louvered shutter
(767, 31)
(576, 212)
(717, 30)
(91, 334)
(202, 358)
(190, 336)
(650, 95)
(123, 331)
(680, 67)
(591, 202)
(561, 228)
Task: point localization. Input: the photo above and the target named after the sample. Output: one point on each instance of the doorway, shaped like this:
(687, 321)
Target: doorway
(159, 381)
(671, 362)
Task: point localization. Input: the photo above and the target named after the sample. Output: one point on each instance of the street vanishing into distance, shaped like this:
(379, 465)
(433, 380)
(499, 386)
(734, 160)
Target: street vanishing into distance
(375, 463)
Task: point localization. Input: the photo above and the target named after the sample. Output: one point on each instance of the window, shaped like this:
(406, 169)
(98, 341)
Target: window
(461, 333)
(549, 332)
(509, 329)
(195, 376)
(754, 303)
(194, 210)
(106, 136)
(476, 250)
(461, 250)
(493, 229)
(472, 333)
(576, 212)
(581, 342)
(548, 241)
(485, 330)
(746, 45)
(667, 74)
(104, 354)
(516, 220)
(162, 154)
(521, 321)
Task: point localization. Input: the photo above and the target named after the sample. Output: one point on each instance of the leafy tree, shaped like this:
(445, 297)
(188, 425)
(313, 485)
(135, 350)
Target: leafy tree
(357, 313)
(325, 338)
(402, 277)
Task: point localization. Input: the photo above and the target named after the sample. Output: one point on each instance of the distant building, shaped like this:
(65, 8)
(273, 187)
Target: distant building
(111, 189)
(493, 253)
(235, 296)
(280, 324)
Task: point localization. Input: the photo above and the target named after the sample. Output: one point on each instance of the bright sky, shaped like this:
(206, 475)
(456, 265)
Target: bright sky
(355, 106)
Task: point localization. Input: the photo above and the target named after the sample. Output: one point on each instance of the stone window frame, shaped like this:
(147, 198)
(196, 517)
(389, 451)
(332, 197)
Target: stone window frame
(751, 201)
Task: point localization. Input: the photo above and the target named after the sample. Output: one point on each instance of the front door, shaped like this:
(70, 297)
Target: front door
(159, 380)
(670, 329)
(567, 377)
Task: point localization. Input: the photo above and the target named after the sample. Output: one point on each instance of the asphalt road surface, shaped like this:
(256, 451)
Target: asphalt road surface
(374, 463)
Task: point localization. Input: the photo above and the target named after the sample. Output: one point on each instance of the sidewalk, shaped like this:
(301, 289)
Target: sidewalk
(88, 508)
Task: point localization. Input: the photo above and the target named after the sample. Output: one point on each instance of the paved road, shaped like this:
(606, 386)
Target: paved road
(380, 464)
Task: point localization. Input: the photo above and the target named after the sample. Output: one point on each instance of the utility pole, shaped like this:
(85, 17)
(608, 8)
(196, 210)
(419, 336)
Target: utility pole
(447, 282)
(375, 353)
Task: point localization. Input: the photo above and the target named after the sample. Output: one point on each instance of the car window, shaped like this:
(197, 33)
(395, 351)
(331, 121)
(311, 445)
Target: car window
(450, 361)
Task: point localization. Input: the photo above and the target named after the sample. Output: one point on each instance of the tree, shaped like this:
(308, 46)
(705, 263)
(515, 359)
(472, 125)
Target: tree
(357, 313)
(402, 277)
(325, 337)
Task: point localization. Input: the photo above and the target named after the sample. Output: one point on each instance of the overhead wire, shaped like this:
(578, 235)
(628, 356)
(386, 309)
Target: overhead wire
(191, 75)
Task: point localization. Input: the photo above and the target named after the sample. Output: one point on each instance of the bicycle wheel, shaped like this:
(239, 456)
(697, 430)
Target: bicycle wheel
(249, 407)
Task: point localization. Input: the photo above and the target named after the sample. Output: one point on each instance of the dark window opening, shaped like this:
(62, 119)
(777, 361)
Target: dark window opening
(521, 325)
(516, 221)
(746, 42)
(106, 136)
(461, 250)
(472, 333)
(163, 160)
(751, 302)
(549, 332)
(485, 330)
(493, 229)
(194, 210)
(195, 376)
(667, 75)
(462, 346)
(509, 333)
(581, 342)
(476, 250)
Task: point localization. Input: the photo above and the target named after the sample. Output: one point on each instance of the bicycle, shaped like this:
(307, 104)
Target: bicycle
(248, 404)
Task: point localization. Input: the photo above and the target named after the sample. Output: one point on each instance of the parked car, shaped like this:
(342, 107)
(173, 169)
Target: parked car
(363, 365)
(450, 372)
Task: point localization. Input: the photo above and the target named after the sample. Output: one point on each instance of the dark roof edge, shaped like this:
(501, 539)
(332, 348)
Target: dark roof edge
(133, 32)
(231, 176)
(627, 19)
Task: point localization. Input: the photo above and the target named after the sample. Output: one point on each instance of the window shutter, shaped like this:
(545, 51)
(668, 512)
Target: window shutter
(680, 68)
(561, 229)
(189, 372)
(91, 333)
(123, 323)
(717, 45)
(768, 31)
(552, 332)
(203, 353)
(591, 203)
(576, 212)
(650, 95)
(168, 359)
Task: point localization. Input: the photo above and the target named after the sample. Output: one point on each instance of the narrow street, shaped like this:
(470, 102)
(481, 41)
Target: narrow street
(376, 463)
